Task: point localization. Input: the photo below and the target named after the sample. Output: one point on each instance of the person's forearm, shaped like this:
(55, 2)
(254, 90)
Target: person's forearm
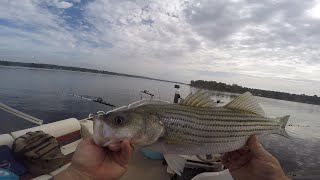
(71, 174)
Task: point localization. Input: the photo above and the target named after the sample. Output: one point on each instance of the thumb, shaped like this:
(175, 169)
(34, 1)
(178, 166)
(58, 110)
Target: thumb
(126, 152)
(255, 147)
(259, 152)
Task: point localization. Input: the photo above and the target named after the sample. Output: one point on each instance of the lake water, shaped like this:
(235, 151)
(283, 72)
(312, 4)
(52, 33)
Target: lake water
(45, 94)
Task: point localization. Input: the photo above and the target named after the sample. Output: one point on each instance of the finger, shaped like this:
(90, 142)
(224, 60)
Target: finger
(240, 162)
(227, 156)
(126, 151)
(253, 142)
(234, 155)
(224, 158)
(225, 161)
(88, 141)
(227, 164)
(259, 152)
(244, 150)
(254, 146)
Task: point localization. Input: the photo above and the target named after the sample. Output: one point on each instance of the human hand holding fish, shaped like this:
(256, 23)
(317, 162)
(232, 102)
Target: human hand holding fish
(253, 162)
(93, 162)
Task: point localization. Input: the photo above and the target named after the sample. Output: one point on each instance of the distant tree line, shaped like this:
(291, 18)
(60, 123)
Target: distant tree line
(234, 88)
(70, 68)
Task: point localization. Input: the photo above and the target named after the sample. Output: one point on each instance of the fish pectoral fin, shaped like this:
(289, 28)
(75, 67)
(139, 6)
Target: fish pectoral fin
(175, 162)
(199, 99)
(246, 102)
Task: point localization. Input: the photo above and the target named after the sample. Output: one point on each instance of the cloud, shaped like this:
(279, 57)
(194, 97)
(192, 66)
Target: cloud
(314, 11)
(48, 34)
(261, 38)
(125, 25)
(60, 4)
(170, 39)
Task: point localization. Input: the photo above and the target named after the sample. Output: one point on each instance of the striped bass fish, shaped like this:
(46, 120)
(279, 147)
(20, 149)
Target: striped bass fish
(192, 127)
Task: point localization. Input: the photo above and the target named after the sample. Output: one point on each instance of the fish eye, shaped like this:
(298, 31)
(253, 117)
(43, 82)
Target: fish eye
(118, 120)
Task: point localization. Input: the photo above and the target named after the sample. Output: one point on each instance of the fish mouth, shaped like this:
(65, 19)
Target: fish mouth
(103, 142)
(103, 133)
(107, 141)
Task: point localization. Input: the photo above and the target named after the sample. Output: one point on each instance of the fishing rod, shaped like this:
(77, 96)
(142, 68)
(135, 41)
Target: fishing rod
(97, 100)
(147, 93)
(100, 100)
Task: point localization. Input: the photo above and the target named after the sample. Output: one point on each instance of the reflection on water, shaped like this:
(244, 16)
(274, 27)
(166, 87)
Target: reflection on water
(46, 94)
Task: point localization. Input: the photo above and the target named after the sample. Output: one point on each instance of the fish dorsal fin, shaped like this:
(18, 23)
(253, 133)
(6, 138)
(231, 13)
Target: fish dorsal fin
(246, 102)
(199, 99)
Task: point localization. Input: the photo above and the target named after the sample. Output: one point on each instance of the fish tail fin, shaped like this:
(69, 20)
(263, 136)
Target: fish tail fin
(283, 122)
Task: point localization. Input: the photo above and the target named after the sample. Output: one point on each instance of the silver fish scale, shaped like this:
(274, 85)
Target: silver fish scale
(193, 130)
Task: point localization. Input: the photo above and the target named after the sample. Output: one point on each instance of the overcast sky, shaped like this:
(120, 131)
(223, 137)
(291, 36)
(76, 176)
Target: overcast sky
(267, 44)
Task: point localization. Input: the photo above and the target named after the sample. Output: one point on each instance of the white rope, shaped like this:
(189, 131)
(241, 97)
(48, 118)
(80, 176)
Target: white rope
(20, 114)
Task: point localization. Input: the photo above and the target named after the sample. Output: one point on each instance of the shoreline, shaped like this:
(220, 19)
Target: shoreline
(77, 69)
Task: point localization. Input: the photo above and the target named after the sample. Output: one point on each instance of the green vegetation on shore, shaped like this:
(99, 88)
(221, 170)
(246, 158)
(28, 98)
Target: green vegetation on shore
(70, 68)
(234, 88)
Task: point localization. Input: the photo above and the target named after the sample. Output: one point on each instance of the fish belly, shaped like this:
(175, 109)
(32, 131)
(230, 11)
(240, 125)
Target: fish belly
(200, 149)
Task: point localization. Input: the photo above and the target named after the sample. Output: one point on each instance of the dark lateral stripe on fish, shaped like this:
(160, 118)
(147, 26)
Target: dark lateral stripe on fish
(199, 109)
(219, 119)
(235, 113)
(190, 108)
(203, 141)
(212, 114)
(178, 106)
(210, 120)
(185, 124)
(210, 141)
(168, 120)
(218, 130)
(197, 136)
(239, 134)
(216, 124)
